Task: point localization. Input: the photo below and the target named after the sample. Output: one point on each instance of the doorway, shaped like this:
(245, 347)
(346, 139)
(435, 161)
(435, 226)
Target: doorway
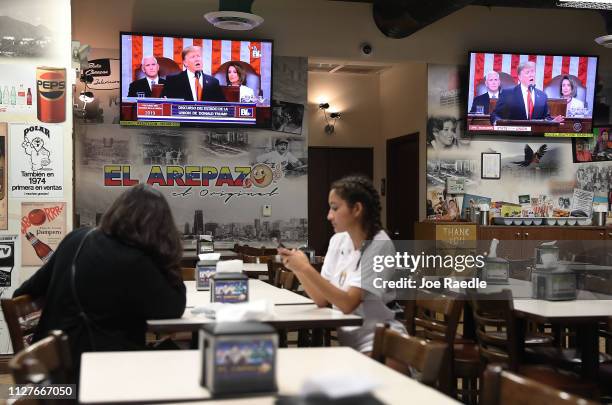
(326, 165)
(402, 186)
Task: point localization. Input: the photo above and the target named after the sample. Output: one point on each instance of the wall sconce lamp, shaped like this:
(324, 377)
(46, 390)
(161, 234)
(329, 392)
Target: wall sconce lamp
(86, 96)
(329, 127)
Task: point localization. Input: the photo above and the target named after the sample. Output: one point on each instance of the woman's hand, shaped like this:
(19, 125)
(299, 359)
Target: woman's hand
(295, 260)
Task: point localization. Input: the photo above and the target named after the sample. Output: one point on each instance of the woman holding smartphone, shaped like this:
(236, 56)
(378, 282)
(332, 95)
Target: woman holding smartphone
(346, 279)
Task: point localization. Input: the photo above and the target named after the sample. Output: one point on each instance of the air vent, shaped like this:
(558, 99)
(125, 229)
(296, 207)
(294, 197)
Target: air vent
(233, 20)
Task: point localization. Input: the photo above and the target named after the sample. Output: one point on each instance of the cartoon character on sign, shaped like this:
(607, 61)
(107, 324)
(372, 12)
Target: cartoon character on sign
(261, 175)
(34, 145)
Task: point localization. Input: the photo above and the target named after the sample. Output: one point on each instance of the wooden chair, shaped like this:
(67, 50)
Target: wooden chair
(188, 273)
(250, 251)
(268, 251)
(498, 341)
(285, 279)
(46, 361)
(269, 260)
(433, 316)
(505, 388)
(413, 353)
(21, 315)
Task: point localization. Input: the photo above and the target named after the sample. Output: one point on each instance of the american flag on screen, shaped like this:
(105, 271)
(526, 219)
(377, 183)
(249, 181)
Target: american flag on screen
(214, 52)
(547, 67)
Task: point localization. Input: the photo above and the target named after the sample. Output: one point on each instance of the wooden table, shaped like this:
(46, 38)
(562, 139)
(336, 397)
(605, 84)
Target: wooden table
(285, 317)
(170, 376)
(584, 315)
(523, 289)
(258, 290)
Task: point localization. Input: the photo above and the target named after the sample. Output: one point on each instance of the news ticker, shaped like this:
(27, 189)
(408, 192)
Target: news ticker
(526, 128)
(42, 391)
(194, 111)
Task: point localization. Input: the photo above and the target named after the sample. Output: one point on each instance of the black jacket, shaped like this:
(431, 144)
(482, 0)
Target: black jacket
(142, 86)
(119, 287)
(177, 86)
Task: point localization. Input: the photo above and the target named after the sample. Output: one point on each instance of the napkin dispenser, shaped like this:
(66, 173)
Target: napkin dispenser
(238, 358)
(553, 284)
(229, 287)
(496, 270)
(547, 254)
(204, 271)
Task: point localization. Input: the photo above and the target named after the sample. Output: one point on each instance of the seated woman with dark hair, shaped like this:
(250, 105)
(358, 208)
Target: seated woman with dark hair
(102, 284)
(346, 281)
(235, 77)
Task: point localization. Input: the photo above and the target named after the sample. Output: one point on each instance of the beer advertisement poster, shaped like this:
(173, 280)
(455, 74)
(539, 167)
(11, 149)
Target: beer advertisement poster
(43, 226)
(3, 176)
(18, 93)
(37, 160)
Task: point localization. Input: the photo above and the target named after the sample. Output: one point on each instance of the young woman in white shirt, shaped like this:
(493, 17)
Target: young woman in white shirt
(346, 279)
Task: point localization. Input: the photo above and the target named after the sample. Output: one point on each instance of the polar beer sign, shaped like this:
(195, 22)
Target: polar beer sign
(51, 94)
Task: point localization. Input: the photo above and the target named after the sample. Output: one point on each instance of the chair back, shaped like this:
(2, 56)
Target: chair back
(251, 79)
(286, 280)
(505, 388)
(250, 251)
(268, 251)
(433, 316)
(257, 258)
(506, 81)
(426, 358)
(46, 361)
(21, 315)
(188, 273)
(167, 67)
(552, 89)
(495, 328)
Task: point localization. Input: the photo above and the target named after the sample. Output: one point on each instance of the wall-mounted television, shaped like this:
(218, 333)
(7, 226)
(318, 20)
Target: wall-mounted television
(188, 81)
(531, 94)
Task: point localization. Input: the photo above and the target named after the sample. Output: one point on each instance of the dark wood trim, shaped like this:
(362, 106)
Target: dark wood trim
(4, 359)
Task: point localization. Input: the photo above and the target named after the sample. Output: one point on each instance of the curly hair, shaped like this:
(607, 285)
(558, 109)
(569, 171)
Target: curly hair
(358, 188)
(141, 217)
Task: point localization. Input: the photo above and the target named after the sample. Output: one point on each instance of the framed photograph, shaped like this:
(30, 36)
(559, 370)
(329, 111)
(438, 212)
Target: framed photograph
(490, 165)
(597, 148)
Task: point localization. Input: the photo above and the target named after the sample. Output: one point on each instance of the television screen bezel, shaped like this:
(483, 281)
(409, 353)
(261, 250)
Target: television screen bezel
(530, 134)
(182, 124)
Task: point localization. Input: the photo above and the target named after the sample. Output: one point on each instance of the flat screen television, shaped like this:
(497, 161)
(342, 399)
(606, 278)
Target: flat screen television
(531, 94)
(188, 81)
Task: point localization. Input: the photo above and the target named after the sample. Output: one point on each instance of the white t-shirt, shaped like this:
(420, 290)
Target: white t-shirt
(344, 268)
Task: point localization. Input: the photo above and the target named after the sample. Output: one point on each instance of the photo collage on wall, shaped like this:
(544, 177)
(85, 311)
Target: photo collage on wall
(540, 167)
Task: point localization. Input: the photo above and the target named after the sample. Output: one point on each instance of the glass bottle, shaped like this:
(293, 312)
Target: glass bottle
(29, 97)
(5, 95)
(43, 251)
(13, 96)
(21, 95)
